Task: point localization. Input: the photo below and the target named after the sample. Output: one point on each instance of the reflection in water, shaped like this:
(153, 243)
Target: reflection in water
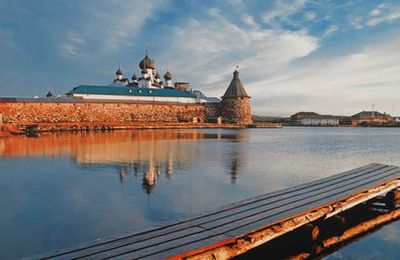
(59, 190)
(235, 156)
(142, 153)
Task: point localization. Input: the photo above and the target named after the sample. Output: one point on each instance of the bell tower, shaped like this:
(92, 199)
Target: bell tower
(235, 105)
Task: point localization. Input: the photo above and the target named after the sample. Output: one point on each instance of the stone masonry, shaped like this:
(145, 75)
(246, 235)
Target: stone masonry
(236, 110)
(25, 113)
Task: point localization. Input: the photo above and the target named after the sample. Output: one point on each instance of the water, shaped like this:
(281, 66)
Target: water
(62, 190)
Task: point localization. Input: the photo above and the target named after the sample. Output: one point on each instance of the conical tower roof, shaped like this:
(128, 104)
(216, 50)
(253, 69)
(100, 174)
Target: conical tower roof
(236, 88)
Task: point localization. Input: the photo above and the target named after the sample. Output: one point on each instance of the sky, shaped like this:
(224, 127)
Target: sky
(332, 57)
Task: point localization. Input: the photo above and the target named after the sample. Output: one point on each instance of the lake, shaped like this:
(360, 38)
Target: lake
(60, 190)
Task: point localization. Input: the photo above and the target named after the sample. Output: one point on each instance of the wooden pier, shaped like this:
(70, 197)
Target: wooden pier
(239, 227)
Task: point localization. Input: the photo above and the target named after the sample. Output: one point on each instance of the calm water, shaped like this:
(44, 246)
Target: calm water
(61, 190)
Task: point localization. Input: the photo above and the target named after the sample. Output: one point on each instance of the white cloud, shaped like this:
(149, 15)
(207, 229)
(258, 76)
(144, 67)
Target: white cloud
(376, 12)
(331, 29)
(310, 16)
(357, 23)
(283, 9)
(338, 85)
(108, 25)
(206, 52)
(249, 20)
(72, 46)
(384, 13)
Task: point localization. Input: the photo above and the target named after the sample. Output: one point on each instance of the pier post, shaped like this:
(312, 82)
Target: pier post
(339, 224)
(312, 231)
(391, 199)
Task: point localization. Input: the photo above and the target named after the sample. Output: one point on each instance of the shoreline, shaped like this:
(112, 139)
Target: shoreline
(32, 129)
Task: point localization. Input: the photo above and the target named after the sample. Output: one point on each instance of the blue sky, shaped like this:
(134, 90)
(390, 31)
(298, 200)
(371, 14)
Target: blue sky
(336, 57)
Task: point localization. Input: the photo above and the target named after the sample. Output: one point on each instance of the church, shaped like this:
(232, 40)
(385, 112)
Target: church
(150, 78)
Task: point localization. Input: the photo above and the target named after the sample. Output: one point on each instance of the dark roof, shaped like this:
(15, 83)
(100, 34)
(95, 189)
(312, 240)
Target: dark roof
(236, 88)
(168, 75)
(118, 72)
(303, 114)
(147, 63)
(364, 114)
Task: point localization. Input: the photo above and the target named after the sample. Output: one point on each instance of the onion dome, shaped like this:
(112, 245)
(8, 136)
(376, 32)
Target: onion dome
(157, 76)
(168, 75)
(147, 63)
(119, 71)
(134, 77)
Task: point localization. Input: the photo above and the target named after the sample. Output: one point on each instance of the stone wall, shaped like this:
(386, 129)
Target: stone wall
(25, 113)
(236, 110)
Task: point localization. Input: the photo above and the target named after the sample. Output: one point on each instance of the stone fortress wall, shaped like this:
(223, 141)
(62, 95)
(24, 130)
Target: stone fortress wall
(27, 113)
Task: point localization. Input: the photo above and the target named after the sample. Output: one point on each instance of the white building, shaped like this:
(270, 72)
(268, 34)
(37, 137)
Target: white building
(321, 120)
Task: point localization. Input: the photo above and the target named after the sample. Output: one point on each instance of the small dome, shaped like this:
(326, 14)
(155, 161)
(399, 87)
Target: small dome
(147, 63)
(134, 77)
(168, 75)
(118, 72)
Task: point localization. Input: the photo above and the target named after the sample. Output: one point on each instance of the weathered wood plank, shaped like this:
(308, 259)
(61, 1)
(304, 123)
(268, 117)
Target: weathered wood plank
(173, 247)
(314, 195)
(269, 204)
(245, 224)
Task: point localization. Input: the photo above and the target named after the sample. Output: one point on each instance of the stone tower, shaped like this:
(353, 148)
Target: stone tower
(235, 104)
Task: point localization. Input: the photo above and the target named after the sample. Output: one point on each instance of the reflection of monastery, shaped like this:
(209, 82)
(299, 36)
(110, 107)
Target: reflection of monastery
(146, 155)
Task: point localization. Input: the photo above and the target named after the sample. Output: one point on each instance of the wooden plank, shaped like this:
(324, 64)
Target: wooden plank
(248, 224)
(123, 241)
(139, 244)
(197, 246)
(313, 195)
(171, 248)
(281, 201)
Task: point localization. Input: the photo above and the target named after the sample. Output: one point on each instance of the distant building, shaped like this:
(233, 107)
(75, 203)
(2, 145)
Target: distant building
(184, 86)
(300, 115)
(396, 119)
(321, 120)
(371, 118)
